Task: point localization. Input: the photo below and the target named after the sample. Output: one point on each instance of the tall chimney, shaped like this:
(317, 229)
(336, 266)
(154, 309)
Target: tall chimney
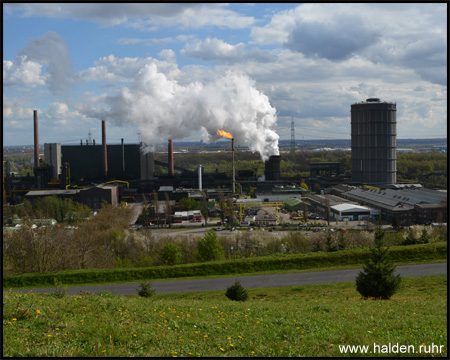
(170, 161)
(104, 152)
(233, 170)
(200, 178)
(123, 156)
(36, 140)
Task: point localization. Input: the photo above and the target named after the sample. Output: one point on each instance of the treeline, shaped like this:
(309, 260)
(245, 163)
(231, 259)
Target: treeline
(104, 242)
(49, 207)
(96, 243)
(423, 167)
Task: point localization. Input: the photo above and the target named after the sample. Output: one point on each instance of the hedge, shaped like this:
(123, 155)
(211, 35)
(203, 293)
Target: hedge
(226, 267)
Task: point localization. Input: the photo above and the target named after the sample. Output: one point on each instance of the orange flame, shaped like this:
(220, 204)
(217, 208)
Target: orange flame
(224, 134)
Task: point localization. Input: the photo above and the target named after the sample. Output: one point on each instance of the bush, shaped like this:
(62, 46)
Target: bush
(145, 290)
(236, 292)
(209, 248)
(60, 290)
(171, 254)
(377, 280)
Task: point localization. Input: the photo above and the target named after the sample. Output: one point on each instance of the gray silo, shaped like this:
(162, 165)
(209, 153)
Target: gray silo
(374, 144)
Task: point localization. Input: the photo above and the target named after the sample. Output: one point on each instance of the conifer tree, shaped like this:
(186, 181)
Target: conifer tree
(377, 279)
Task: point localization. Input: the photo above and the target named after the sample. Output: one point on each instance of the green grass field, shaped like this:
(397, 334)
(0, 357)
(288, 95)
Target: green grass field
(309, 321)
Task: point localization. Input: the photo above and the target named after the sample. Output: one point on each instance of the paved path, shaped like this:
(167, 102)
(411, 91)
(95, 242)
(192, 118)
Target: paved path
(249, 282)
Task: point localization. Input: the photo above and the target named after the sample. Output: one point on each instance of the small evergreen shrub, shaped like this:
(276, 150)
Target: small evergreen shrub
(145, 290)
(60, 290)
(236, 292)
(377, 280)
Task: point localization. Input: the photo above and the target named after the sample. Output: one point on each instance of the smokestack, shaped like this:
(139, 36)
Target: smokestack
(104, 152)
(36, 140)
(123, 157)
(233, 170)
(170, 160)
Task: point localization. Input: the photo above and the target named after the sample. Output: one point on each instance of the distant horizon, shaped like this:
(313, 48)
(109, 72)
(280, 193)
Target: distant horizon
(286, 142)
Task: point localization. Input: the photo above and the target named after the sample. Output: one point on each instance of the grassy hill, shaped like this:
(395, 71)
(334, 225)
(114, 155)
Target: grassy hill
(311, 321)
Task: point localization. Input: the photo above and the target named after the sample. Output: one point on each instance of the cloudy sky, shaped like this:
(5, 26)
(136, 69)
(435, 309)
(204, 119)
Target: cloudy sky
(155, 71)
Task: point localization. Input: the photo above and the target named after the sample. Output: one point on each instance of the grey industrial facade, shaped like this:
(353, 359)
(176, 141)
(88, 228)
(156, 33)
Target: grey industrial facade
(409, 206)
(374, 144)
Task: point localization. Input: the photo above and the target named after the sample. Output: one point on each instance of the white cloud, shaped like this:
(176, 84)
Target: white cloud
(401, 35)
(216, 50)
(49, 54)
(141, 15)
(111, 68)
(22, 72)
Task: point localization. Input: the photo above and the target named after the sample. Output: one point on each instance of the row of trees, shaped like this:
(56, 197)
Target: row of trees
(105, 242)
(410, 166)
(50, 207)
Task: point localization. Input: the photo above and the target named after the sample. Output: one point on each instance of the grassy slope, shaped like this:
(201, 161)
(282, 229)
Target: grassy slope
(292, 321)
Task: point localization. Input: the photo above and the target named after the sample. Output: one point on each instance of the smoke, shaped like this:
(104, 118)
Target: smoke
(51, 50)
(163, 109)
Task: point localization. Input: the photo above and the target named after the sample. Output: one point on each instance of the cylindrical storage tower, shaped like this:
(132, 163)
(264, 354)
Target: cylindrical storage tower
(272, 169)
(374, 144)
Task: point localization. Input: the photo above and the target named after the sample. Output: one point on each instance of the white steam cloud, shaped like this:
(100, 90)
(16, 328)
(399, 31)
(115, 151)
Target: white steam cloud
(52, 51)
(163, 109)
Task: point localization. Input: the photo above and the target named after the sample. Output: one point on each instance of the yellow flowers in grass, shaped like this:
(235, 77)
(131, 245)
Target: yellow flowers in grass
(38, 311)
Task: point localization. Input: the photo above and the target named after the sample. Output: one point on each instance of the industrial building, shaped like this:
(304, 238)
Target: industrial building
(409, 206)
(373, 142)
(350, 212)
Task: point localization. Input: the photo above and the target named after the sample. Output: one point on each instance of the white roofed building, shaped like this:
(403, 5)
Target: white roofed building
(352, 212)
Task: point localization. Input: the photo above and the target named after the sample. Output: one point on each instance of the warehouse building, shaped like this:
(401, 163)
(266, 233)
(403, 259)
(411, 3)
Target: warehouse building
(351, 212)
(408, 206)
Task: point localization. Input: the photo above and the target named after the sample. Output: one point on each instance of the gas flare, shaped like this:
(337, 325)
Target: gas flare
(224, 134)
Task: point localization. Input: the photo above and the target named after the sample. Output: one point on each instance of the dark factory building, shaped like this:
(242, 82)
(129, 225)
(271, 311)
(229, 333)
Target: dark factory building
(86, 161)
(95, 195)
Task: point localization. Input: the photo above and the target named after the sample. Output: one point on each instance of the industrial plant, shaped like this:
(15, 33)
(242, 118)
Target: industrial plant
(91, 173)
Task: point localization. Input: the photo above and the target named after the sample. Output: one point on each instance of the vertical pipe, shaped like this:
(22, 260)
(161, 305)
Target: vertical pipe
(170, 160)
(233, 170)
(123, 156)
(200, 177)
(36, 140)
(104, 152)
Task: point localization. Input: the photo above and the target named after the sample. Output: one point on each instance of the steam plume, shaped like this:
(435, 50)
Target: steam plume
(162, 109)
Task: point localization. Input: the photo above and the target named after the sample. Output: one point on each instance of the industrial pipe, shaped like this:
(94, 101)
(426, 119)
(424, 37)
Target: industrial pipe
(123, 157)
(104, 151)
(170, 159)
(233, 170)
(36, 140)
(200, 177)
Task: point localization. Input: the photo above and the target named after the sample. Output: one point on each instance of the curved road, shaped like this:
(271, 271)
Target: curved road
(249, 282)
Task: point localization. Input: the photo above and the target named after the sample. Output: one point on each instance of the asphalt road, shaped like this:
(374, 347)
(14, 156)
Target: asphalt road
(249, 282)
